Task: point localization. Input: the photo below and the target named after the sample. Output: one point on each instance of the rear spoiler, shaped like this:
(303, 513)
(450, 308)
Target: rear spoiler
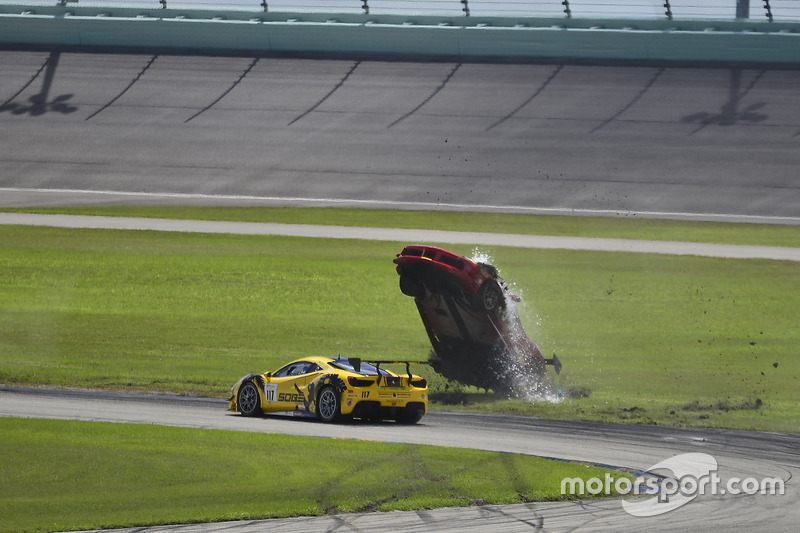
(355, 362)
(555, 362)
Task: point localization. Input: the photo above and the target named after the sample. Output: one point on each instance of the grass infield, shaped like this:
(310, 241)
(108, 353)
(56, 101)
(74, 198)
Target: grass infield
(643, 337)
(63, 475)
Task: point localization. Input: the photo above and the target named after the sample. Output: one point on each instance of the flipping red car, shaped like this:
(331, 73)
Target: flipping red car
(471, 321)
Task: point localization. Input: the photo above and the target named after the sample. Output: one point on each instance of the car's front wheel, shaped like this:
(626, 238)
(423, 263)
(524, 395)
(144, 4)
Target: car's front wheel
(328, 407)
(248, 401)
(411, 287)
(489, 296)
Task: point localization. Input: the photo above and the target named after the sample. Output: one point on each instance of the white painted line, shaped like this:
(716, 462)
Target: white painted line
(424, 206)
(407, 236)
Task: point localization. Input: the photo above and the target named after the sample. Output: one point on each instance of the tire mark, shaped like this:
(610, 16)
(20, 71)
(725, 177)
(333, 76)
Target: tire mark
(429, 98)
(126, 89)
(226, 92)
(647, 87)
(536, 93)
(330, 93)
(28, 84)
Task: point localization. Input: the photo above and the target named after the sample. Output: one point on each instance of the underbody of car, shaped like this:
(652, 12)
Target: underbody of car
(471, 320)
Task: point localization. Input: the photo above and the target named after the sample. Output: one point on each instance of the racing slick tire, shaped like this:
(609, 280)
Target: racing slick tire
(249, 401)
(489, 296)
(328, 405)
(411, 287)
(408, 415)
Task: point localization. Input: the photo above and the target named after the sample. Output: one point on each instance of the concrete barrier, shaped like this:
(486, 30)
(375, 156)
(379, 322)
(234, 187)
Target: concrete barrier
(464, 37)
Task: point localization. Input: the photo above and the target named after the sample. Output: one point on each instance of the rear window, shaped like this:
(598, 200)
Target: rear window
(414, 252)
(455, 263)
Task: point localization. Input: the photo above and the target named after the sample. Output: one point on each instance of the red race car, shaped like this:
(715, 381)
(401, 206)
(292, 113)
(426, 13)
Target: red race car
(471, 321)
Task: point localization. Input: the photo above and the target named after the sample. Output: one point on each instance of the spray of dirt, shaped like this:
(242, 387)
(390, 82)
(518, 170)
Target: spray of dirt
(518, 366)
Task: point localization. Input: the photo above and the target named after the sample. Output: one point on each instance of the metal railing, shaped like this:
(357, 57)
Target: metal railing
(756, 10)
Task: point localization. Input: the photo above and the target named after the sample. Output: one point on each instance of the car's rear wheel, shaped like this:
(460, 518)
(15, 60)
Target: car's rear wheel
(328, 406)
(489, 296)
(249, 402)
(409, 415)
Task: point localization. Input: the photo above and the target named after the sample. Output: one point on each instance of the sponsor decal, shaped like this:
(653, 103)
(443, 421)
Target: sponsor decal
(291, 397)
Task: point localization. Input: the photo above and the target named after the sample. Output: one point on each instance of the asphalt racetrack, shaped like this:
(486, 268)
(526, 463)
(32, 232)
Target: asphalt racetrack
(739, 454)
(661, 140)
(664, 141)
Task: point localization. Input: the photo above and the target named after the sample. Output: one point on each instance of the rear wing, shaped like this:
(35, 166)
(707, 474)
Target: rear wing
(555, 362)
(356, 364)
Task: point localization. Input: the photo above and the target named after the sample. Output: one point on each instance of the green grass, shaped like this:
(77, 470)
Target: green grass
(644, 338)
(64, 475)
(608, 227)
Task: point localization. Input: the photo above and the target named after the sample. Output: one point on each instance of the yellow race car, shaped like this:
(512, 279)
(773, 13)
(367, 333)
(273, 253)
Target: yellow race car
(334, 388)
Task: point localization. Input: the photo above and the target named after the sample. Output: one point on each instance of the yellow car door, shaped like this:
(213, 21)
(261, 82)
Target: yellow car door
(285, 390)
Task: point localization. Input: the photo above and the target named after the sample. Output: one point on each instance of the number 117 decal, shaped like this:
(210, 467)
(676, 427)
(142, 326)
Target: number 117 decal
(270, 391)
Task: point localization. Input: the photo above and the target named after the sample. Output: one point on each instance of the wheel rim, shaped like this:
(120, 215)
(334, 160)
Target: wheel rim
(327, 404)
(248, 399)
(490, 298)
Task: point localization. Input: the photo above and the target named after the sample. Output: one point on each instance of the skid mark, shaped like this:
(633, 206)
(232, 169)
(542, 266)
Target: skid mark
(536, 93)
(226, 92)
(630, 104)
(428, 99)
(330, 93)
(126, 89)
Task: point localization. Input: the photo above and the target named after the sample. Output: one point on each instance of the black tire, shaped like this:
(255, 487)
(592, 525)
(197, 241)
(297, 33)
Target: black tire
(408, 415)
(328, 405)
(411, 287)
(489, 296)
(249, 400)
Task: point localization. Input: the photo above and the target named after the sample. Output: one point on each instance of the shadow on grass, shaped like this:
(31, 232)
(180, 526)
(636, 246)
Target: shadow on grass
(460, 397)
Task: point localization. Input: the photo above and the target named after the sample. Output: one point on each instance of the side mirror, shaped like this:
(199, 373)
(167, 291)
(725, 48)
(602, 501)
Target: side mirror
(269, 375)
